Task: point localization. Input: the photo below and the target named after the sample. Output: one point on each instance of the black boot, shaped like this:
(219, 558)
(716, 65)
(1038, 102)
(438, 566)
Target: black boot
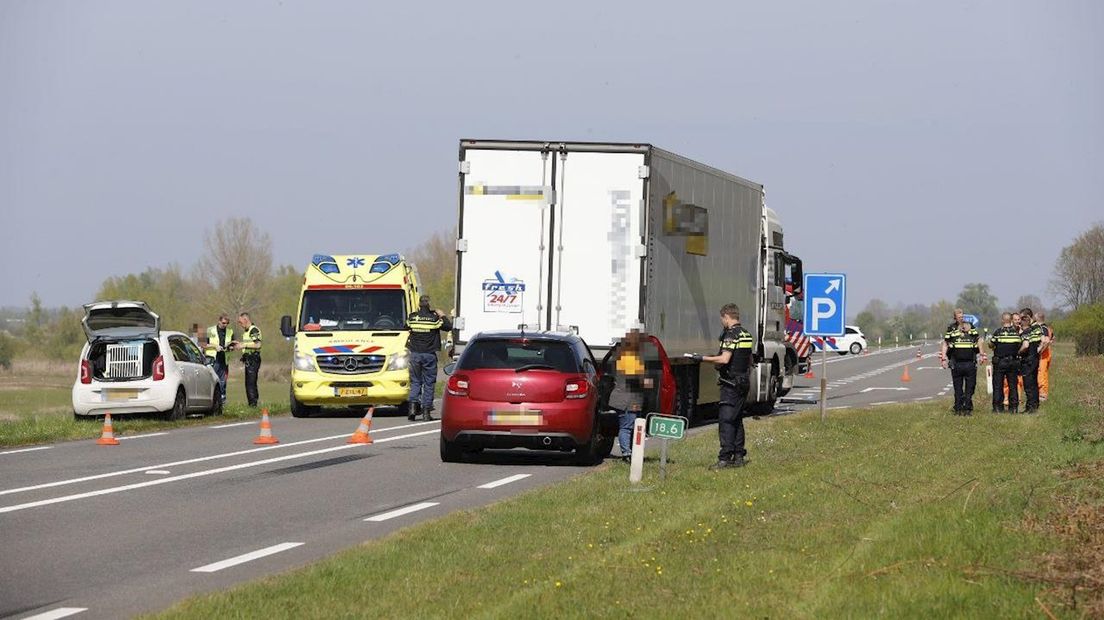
(414, 409)
(425, 413)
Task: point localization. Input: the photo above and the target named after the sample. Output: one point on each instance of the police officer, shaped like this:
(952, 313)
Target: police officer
(1005, 344)
(219, 338)
(733, 362)
(949, 333)
(426, 325)
(250, 346)
(1032, 337)
(962, 348)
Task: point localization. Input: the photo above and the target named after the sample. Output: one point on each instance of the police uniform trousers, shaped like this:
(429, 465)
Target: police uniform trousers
(964, 378)
(1030, 371)
(730, 418)
(252, 370)
(1006, 373)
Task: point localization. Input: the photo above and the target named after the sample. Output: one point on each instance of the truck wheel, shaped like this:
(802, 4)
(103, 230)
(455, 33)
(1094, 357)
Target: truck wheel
(767, 407)
(298, 409)
(450, 452)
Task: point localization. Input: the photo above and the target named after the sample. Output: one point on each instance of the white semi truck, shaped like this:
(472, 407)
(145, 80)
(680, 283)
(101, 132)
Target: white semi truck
(601, 238)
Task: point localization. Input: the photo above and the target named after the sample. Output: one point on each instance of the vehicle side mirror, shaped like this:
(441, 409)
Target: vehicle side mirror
(285, 327)
(450, 368)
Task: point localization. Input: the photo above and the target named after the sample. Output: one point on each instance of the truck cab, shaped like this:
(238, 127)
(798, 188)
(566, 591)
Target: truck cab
(350, 332)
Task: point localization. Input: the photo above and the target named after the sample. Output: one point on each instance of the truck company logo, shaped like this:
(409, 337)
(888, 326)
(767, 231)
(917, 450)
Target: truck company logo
(687, 220)
(502, 296)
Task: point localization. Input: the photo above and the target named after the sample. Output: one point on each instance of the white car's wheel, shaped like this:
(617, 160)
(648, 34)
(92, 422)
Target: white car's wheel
(856, 348)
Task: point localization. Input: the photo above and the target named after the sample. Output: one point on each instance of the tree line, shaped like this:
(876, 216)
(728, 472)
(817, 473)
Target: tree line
(235, 274)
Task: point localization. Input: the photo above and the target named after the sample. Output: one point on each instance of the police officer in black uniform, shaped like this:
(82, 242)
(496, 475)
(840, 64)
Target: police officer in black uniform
(1005, 344)
(426, 325)
(1032, 336)
(250, 346)
(733, 362)
(962, 348)
(949, 333)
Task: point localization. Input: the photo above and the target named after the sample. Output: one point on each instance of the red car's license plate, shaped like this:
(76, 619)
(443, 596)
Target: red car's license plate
(515, 418)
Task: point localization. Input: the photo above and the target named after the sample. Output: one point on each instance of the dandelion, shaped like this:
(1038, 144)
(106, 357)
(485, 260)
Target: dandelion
(558, 584)
(749, 503)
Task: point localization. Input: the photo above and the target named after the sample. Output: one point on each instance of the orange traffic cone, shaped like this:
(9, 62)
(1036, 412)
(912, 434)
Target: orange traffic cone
(108, 436)
(918, 356)
(266, 436)
(361, 435)
(905, 378)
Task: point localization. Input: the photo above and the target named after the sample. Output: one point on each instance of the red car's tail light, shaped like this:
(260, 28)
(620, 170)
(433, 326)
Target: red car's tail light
(458, 385)
(159, 368)
(576, 388)
(86, 372)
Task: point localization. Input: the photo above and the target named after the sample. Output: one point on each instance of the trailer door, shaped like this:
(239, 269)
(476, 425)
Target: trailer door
(504, 228)
(598, 244)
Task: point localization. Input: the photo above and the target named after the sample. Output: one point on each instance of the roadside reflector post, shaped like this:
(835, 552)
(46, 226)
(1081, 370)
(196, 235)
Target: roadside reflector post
(636, 463)
(824, 383)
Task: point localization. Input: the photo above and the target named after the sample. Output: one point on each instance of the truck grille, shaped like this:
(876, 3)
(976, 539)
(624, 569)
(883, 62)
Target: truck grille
(351, 364)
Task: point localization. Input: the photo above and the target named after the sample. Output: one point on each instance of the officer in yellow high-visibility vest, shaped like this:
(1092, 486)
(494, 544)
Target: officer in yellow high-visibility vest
(250, 347)
(219, 338)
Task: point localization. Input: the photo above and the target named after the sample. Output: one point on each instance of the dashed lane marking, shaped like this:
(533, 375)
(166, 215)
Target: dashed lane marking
(25, 450)
(246, 557)
(507, 480)
(402, 511)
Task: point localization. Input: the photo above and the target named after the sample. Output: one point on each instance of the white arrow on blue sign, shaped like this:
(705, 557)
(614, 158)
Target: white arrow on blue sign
(825, 304)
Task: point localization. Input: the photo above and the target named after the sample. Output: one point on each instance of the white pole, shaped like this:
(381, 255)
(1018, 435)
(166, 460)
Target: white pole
(636, 463)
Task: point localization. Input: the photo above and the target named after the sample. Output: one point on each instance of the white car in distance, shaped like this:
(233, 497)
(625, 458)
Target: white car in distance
(130, 366)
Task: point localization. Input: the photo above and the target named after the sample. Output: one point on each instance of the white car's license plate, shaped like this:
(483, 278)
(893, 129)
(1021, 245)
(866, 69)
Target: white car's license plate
(116, 395)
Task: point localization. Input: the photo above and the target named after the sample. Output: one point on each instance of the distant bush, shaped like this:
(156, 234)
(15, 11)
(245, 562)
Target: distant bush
(1085, 326)
(7, 350)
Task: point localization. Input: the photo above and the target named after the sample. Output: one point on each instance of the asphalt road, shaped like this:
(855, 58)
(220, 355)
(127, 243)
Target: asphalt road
(108, 532)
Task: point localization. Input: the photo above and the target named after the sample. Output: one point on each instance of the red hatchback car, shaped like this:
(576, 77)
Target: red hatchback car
(536, 390)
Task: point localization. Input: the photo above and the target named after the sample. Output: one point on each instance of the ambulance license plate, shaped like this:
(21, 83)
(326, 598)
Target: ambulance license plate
(351, 392)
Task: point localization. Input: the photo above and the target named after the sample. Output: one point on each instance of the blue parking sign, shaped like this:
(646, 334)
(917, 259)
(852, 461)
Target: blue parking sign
(825, 304)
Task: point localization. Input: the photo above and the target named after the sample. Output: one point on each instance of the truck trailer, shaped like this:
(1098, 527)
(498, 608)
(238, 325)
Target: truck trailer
(602, 238)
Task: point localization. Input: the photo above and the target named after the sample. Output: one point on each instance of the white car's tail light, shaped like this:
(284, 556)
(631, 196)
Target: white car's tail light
(159, 368)
(85, 372)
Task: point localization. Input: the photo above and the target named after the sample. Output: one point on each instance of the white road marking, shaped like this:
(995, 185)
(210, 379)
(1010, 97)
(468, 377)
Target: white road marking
(246, 557)
(158, 472)
(401, 511)
(60, 612)
(25, 450)
(143, 436)
(871, 389)
(231, 425)
(885, 402)
(199, 459)
(198, 474)
(924, 398)
(507, 480)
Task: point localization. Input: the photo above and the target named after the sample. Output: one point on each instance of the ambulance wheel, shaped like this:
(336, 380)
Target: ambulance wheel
(298, 409)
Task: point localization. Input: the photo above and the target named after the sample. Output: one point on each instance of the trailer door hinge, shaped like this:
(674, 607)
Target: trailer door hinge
(461, 245)
(465, 167)
(643, 172)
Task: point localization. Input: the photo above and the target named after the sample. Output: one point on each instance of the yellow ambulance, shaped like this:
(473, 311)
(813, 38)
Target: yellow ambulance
(350, 332)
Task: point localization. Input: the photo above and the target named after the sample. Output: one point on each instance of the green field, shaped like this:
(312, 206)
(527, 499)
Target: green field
(36, 406)
(898, 511)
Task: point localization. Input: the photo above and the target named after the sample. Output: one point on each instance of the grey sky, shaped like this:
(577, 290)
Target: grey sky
(913, 146)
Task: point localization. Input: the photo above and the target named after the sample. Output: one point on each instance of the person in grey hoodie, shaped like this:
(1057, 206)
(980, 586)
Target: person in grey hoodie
(635, 377)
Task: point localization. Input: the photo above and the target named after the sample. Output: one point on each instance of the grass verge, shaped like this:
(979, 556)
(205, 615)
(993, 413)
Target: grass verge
(899, 511)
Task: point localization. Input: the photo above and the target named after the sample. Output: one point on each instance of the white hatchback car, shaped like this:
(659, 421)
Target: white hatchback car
(130, 366)
(853, 340)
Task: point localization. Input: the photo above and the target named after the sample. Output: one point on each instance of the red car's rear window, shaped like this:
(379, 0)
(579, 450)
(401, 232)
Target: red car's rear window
(514, 354)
